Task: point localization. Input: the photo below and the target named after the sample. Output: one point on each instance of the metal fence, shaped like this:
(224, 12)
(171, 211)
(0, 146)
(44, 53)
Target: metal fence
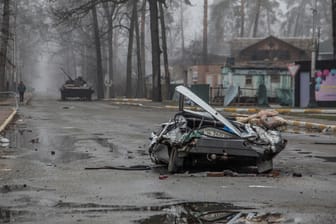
(247, 96)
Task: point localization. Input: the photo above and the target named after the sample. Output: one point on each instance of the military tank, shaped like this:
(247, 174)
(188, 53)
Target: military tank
(76, 88)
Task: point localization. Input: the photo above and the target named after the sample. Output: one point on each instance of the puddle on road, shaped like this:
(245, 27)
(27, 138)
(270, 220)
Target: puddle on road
(182, 213)
(327, 159)
(195, 206)
(10, 188)
(159, 195)
(8, 215)
(106, 142)
(212, 217)
(194, 212)
(44, 145)
(325, 143)
(305, 153)
(103, 142)
(185, 212)
(67, 157)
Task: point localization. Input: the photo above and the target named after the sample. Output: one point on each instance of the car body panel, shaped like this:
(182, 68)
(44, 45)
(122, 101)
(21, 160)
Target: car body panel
(193, 138)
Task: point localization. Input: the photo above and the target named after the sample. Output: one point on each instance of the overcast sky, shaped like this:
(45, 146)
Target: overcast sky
(194, 19)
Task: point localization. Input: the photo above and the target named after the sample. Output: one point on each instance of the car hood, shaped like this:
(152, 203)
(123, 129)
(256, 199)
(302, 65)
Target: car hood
(215, 114)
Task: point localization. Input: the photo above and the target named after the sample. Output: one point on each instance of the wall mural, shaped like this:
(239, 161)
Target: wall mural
(325, 85)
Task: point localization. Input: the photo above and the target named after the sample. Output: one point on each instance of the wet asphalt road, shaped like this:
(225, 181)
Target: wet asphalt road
(43, 177)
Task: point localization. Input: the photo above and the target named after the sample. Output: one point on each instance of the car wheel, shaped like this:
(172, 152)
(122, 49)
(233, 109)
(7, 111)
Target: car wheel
(175, 163)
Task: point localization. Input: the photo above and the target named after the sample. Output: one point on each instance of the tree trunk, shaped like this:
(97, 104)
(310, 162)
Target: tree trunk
(116, 65)
(154, 27)
(73, 57)
(4, 43)
(164, 49)
(100, 81)
(205, 33)
(298, 19)
(242, 18)
(143, 46)
(139, 89)
(256, 21)
(129, 52)
(269, 30)
(108, 15)
(182, 33)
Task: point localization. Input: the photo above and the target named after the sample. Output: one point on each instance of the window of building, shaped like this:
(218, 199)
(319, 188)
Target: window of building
(275, 79)
(282, 54)
(248, 80)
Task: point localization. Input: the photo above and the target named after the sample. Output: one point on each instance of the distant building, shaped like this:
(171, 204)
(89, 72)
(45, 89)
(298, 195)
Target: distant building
(265, 61)
(205, 74)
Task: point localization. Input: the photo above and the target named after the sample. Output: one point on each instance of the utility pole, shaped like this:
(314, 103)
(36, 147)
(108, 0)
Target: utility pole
(205, 33)
(312, 100)
(333, 11)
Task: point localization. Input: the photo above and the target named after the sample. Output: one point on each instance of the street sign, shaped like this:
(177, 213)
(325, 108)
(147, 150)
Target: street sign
(293, 69)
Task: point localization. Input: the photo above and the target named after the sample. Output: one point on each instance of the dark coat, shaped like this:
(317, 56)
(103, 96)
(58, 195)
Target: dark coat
(21, 88)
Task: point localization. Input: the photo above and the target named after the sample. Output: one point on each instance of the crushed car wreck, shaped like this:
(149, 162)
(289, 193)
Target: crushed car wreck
(206, 138)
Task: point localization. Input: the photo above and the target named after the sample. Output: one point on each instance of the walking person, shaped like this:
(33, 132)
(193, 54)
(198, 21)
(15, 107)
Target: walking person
(21, 89)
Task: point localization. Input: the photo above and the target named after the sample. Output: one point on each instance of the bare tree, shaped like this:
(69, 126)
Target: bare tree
(100, 80)
(182, 31)
(130, 51)
(108, 14)
(256, 18)
(154, 27)
(164, 49)
(142, 45)
(140, 85)
(242, 17)
(4, 43)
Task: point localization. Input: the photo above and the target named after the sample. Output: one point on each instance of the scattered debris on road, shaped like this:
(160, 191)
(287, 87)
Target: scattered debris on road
(136, 167)
(297, 174)
(163, 177)
(35, 140)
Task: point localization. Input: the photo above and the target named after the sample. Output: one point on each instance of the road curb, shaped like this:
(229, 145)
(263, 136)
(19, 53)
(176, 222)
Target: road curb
(127, 100)
(280, 110)
(136, 102)
(310, 125)
(128, 103)
(8, 120)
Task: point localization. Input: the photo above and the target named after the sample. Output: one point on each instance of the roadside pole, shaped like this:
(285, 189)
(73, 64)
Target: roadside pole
(312, 100)
(293, 69)
(108, 84)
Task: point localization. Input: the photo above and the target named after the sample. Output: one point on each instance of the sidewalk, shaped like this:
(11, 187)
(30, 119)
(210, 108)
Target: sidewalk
(8, 110)
(6, 116)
